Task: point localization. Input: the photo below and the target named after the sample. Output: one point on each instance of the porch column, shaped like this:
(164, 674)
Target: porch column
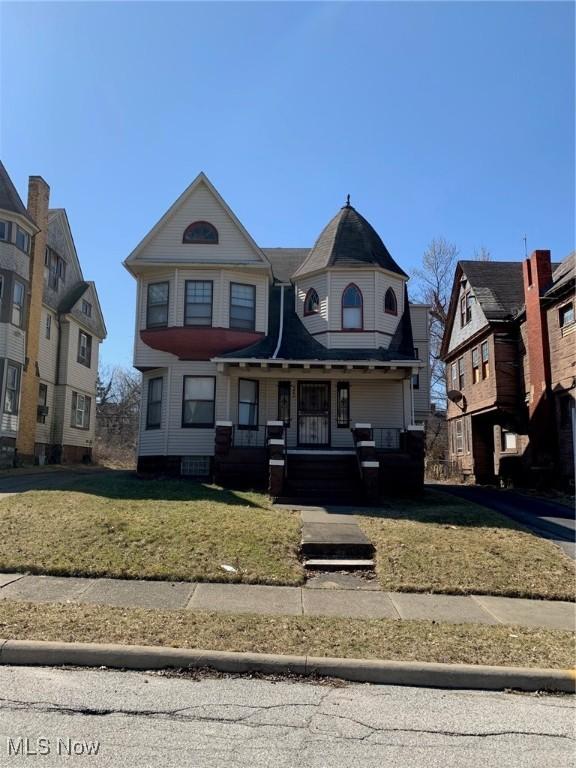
(222, 445)
(276, 442)
(368, 461)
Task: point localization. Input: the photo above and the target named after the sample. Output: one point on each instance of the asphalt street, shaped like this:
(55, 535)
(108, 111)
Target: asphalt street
(146, 719)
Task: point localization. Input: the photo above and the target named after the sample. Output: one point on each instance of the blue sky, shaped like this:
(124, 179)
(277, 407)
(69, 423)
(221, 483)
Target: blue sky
(452, 119)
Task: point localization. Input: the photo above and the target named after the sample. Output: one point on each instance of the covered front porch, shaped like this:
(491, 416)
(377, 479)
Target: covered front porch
(305, 415)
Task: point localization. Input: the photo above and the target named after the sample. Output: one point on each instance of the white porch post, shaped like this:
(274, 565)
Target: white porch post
(408, 403)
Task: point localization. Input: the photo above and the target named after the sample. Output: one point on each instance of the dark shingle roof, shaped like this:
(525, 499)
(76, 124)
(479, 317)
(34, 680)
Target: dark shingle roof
(73, 295)
(298, 344)
(10, 200)
(285, 261)
(563, 275)
(348, 241)
(498, 286)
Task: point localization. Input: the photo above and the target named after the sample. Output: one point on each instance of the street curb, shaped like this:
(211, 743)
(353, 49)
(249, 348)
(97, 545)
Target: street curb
(469, 676)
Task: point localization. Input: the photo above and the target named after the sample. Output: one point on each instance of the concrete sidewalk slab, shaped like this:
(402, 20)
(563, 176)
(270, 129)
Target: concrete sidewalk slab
(348, 603)
(162, 595)
(246, 598)
(46, 589)
(338, 580)
(552, 614)
(8, 578)
(455, 609)
(333, 533)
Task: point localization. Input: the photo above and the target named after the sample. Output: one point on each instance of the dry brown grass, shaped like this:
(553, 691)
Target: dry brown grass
(439, 543)
(316, 636)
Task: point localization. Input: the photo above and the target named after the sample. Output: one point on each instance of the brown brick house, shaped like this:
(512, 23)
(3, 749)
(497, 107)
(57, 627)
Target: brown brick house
(510, 352)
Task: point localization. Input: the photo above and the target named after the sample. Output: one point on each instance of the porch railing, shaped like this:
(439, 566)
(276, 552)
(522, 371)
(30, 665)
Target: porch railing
(386, 438)
(249, 437)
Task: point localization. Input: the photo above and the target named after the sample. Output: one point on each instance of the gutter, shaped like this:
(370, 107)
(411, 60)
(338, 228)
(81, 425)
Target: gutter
(281, 328)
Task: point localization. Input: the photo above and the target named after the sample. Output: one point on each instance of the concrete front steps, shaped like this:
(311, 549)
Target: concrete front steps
(334, 542)
(326, 477)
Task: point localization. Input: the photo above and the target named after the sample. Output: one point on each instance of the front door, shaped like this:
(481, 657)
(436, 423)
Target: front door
(314, 413)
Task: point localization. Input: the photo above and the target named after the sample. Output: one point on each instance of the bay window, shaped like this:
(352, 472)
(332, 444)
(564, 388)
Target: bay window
(198, 401)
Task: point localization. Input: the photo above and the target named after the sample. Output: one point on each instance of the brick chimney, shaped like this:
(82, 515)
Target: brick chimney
(537, 271)
(38, 202)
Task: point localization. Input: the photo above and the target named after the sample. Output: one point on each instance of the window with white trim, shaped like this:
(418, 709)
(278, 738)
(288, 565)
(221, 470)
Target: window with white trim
(247, 403)
(198, 401)
(12, 391)
(84, 348)
(80, 411)
(157, 305)
(154, 405)
(22, 239)
(5, 231)
(18, 295)
(198, 302)
(242, 306)
(509, 440)
(485, 350)
(459, 436)
(86, 308)
(566, 315)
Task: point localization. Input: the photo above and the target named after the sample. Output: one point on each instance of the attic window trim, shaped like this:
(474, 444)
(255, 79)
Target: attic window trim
(311, 302)
(390, 302)
(344, 306)
(213, 239)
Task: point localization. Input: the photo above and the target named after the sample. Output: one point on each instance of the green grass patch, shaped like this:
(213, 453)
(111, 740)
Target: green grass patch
(316, 636)
(124, 527)
(440, 543)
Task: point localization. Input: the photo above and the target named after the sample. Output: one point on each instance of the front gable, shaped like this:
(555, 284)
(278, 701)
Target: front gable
(456, 332)
(94, 320)
(199, 203)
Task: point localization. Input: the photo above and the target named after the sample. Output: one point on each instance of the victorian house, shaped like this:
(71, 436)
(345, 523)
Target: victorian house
(510, 352)
(303, 369)
(50, 329)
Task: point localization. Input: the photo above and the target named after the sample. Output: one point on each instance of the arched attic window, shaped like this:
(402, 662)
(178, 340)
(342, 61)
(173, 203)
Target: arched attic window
(390, 302)
(352, 308)
(311, 303)
(200, 233)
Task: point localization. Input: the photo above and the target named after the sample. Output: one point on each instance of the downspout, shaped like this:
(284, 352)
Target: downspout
(281, 327)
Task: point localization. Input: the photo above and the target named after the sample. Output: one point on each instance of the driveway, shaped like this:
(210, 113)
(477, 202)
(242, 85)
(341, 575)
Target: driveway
(547, 519)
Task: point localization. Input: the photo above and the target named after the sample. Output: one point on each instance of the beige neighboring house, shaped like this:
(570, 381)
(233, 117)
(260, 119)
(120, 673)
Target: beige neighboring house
(51, 326)
(247, 352)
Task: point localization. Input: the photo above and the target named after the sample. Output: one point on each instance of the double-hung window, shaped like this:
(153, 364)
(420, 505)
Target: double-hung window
(198, 309)
(157, 305)
(242, 306)
(42, 403)
(475, 365)
(5, 231)
(247, 403)
(84, 348)
(154, 407)
(80, 411)
(466, 308)
(485, 360)
(12, 392)
(86, 308)
(284, 402)
(461, 376)
(22, 240)
(459, 436)
(198, 401)
(18, 294)
(454, 375)
(343, 404)
(566, 315)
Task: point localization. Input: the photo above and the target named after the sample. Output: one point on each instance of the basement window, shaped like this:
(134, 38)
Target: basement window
(195, 466)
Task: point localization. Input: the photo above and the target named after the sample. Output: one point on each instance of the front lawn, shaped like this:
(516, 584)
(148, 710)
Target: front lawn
(439, 543)
(389, 639)
(124, 527)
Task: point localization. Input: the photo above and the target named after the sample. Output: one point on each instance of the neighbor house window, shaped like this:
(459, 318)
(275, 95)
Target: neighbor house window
(459, 436)
(157, 305)
(86, 308)
(80, 411)
(461, 376)
(200, 233)
(42, 404)
(48, 327)
(247, 403)
(485, 361)
(198, 309)
(466, 308)
(454, 375)
(11, 395)
(343, 404)
(154, 405)
(284, 402)
(5, 231)
(416, 376)
(509, 441)
(390, 302)
(84, 349)
(18, 293)
(198, 401)
(1, 286)
(55, 269)
(22, 240)
(311, 303)
(566, 315)
(242, 306)
(475, 365)
(352, 319)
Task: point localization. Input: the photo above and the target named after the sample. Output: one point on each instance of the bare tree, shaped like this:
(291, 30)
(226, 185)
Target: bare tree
(118, 393)
(482, 254)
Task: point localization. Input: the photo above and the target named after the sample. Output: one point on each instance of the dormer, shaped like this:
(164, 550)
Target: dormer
(349, 290)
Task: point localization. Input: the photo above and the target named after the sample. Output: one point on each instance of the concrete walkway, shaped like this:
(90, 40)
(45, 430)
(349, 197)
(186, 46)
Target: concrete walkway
(292, 601)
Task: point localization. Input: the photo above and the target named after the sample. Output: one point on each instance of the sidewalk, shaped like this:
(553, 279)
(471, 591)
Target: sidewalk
(293, 601)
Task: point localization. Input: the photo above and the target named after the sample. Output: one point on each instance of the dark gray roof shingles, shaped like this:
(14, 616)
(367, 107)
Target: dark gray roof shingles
(10, 200)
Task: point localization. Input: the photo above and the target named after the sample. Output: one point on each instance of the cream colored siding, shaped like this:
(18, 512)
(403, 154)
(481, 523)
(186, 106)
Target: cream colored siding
(48, 348)
(12, 342)
(72, 435)
(44, 432)
(233, 246)
(459, 333)
(419, 317)
(383, 321)
(153, 441)
(318, 322)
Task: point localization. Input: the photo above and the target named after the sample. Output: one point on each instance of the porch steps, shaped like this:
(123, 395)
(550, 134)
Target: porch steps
(323, 477)
(334, 542)
(337, 564)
